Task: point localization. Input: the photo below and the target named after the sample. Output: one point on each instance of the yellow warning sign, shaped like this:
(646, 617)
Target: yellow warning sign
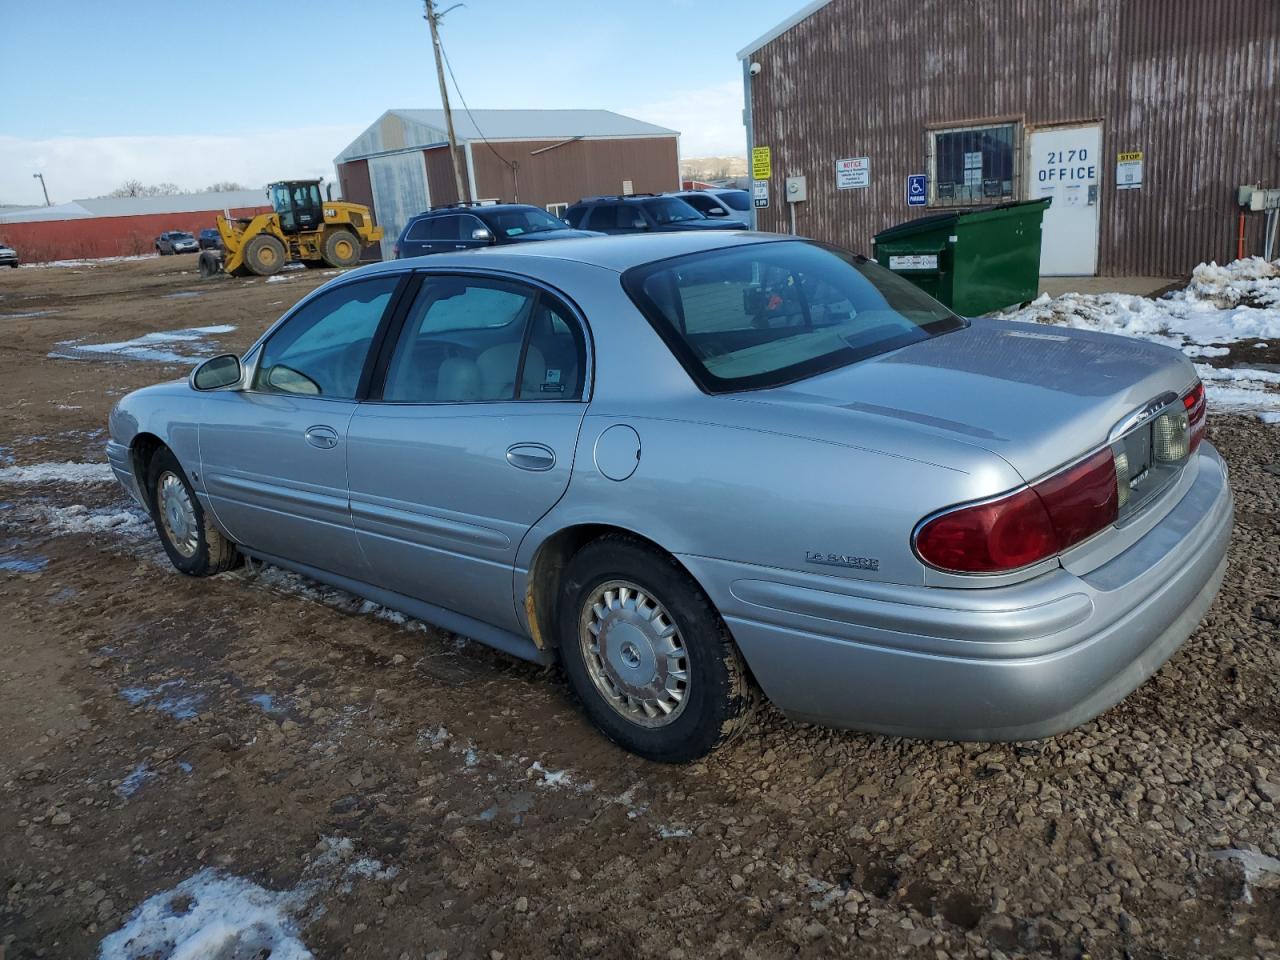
(761, 163)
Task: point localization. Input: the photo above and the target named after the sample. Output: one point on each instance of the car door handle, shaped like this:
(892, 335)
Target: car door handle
(531, 456)
(326, 438)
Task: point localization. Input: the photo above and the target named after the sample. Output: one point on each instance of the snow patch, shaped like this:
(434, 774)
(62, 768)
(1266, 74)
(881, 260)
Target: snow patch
(213, 914)
(128, 521)
(87, 263)
(188, 345)
(1220, 305)
(134, 780)
(27, 315)
(65, 472)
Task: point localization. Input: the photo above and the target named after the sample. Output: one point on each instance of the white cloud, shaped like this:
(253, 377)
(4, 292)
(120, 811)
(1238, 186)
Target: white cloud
(709, 119)
(77, 167)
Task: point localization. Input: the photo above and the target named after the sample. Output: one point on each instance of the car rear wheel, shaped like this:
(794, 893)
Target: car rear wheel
(648, 655)
(192, 542)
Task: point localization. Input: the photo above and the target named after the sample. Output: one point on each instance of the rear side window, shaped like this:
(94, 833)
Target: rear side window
(479, 339)
(420, 229)
(320, 350)
(701, 202)
(759, 316)
(735, 199)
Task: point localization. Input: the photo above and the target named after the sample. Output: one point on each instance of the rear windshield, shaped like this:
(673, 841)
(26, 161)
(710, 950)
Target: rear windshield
(671, 210)
(736, 199)
(518, 221)
(756, 316)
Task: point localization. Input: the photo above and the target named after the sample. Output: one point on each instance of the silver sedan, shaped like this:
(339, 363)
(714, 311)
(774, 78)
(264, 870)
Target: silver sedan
(696, 468)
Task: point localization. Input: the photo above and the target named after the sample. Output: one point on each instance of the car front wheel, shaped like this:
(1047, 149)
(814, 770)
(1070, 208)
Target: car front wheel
(190, 539)
(648, 655)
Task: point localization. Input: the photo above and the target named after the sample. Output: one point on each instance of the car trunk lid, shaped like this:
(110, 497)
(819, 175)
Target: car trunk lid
(1039, 397)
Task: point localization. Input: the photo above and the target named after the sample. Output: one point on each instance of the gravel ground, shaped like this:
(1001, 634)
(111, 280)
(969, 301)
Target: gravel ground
(403, 793)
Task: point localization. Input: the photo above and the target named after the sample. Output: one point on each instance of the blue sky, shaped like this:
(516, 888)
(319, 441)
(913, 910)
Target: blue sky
(192, 92)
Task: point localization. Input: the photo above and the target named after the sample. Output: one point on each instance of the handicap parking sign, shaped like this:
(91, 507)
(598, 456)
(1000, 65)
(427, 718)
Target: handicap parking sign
(917, 190)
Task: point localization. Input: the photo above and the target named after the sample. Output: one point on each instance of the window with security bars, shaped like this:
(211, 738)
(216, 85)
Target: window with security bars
(969, 166)
(557, 209)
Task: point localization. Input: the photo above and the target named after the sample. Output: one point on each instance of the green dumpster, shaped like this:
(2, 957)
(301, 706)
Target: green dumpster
(974, 261)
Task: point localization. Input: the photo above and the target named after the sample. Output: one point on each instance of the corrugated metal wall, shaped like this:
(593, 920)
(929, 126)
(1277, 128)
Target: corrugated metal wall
(399, 186)
(575, 170)
(1191, 84)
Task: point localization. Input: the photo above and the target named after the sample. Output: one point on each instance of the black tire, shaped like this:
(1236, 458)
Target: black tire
(341, 248)
(211, 552)
(209, 265)
(719, 697)
(265, 255)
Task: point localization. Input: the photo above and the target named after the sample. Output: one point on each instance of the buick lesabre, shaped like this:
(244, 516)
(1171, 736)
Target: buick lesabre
(697, 468)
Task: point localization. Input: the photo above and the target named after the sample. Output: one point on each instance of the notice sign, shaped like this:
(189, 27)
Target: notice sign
(1129, 171)
(760, 194)
(761, 163)
(853, 173)
(919, 261)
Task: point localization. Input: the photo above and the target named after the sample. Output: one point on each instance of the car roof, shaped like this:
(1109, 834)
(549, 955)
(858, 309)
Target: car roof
(618, 252)
(473, 208)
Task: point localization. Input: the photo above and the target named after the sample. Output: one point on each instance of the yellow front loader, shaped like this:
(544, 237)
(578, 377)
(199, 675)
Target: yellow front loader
(302, 228)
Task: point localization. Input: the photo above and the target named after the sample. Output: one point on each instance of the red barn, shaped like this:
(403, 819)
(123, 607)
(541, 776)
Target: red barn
(117, 226)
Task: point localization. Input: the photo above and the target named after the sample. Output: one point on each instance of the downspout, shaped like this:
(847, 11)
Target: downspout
(747, 123)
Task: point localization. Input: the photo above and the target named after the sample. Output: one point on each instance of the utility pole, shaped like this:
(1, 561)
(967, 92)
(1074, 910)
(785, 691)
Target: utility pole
(40, 177)
(433, 18)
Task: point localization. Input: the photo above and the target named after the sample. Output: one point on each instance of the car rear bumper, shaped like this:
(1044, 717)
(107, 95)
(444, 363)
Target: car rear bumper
(1006, 663)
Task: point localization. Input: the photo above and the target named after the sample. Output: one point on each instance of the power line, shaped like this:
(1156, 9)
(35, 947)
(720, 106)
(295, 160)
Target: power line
(485, 140)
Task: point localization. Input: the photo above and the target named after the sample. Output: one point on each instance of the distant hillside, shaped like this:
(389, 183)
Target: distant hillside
(712, 168)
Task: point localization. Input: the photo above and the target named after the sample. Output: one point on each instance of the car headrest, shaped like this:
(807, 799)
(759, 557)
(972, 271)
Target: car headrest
(459, 381)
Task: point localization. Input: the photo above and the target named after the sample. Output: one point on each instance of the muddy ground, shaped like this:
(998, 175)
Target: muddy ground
(153, 726)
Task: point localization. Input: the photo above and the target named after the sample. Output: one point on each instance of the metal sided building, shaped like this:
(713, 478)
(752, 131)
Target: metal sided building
(1140, 118)
(400, 166)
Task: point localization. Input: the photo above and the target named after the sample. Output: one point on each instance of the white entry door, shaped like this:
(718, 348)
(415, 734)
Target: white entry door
(1066, 164)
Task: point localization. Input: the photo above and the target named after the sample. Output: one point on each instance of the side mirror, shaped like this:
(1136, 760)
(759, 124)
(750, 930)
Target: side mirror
(482, 233)
(217, 373)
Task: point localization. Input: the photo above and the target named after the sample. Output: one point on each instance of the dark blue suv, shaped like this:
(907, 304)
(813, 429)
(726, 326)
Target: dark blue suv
(464, 226)
(641, 212)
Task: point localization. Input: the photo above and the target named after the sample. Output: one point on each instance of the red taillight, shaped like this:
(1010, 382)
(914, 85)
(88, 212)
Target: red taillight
(1196, 410)
(1026, 526)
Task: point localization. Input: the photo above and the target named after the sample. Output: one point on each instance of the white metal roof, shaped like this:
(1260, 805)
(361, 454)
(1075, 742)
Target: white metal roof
(406, 129)
(138, 206)
(802, 14)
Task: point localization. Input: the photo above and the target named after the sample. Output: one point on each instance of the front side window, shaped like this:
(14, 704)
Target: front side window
(671, 210)
(973, 165)
(320, 351)
(772, 313)
(477, 339)
(735, 199)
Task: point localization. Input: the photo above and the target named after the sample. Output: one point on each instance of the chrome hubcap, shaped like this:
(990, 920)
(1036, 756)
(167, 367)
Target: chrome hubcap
(177, 514)
(634, 654)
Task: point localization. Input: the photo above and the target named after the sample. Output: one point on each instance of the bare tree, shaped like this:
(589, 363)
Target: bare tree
(136, 188)
(130, 188)
(225, 186)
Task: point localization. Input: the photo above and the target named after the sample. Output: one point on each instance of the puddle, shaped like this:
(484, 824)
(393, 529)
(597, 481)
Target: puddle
(188, 345)
(184, 294)
(15, 559)
(266, 703)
